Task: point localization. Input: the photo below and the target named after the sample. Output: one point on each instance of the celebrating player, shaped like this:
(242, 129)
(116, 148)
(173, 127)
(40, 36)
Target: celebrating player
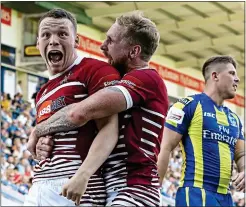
(77, 153)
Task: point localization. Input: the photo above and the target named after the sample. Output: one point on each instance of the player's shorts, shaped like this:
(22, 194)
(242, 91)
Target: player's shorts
(192, 196)
(135, 195)
(46, 193)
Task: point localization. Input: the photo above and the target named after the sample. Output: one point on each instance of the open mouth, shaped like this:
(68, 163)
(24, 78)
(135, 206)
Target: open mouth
(55, 56)
(235, 87)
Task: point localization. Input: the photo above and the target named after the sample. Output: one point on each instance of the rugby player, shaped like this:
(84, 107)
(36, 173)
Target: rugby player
(210, 136)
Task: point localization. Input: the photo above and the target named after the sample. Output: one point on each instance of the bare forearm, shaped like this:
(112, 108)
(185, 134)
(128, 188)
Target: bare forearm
(240, 163)
(59, 122)
(100, 149)
(162, 163)
(103, 103)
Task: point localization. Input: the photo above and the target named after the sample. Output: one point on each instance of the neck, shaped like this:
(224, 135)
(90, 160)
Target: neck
(137, 65)
(214, 94)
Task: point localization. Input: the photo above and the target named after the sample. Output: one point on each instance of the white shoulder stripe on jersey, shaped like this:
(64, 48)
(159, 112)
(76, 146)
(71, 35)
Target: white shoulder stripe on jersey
(127, 95)
(148, 142)
(147, 152)
(152, 122)
(153, 112)
(75, 83)
(150, 132)
(80, 96)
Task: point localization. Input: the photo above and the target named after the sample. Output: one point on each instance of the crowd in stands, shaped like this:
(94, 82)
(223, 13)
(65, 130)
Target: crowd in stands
(18, 119)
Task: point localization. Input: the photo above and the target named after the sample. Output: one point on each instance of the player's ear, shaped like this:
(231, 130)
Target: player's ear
(215, 76)
(135, 51)
(76, 45)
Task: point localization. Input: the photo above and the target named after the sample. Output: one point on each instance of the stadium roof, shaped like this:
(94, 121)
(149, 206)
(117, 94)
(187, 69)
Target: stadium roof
(190, 31)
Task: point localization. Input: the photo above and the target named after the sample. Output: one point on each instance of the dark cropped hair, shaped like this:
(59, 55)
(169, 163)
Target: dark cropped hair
(60, 14)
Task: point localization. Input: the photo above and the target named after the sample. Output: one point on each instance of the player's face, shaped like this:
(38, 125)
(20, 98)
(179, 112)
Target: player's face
(57, 43)
(228, 81)
(116, 49)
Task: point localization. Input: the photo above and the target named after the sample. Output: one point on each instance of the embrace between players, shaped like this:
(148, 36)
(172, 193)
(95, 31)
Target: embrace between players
(99, 134)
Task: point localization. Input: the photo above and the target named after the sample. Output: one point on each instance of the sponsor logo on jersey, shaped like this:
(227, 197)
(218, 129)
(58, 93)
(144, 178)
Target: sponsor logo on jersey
(110, 83)
(127, 82)
(232, 120)
(207, 134)
(209, 114)
(65, 79)
(184, 101)
(44, 92)
(175, 115)
(48, 107)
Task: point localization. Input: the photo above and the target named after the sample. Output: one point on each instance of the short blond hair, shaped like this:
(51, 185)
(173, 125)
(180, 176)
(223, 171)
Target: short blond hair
(140, 31)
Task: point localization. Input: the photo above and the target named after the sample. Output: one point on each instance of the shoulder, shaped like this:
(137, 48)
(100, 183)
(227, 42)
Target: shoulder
(188, 101)
(145, 77)
(95, 64)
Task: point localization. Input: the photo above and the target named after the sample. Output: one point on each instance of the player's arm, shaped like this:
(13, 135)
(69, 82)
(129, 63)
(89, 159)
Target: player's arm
(169, 142)
(240, 155)
(100, 149)
(105, 102)
(239, 180)
(177, 123)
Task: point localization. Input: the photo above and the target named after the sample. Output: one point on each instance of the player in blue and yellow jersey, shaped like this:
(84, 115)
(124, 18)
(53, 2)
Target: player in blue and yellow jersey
(210, 136)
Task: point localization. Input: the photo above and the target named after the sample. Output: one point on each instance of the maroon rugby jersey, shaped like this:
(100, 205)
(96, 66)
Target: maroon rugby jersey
(133, 161)
(80, 80)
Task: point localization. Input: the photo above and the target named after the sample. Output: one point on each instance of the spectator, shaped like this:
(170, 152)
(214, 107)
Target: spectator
(4, 164)
(6, 101)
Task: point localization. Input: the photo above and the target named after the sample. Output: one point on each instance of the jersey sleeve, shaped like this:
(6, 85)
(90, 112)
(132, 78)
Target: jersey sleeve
(136, 88)
(180, 115)
(103, 76)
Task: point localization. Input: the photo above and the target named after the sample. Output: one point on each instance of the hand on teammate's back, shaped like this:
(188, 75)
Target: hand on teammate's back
(239, 181)
(44, 147)
(31, 144)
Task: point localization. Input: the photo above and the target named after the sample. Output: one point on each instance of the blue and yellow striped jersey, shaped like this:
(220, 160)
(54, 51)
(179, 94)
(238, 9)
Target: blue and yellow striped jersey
(210, 133)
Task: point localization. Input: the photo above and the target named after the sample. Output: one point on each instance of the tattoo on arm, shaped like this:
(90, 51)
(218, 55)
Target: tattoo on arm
(58, 122)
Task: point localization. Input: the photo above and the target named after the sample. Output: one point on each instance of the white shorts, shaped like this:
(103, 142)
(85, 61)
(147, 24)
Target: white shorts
(47, 193)
(135, 195)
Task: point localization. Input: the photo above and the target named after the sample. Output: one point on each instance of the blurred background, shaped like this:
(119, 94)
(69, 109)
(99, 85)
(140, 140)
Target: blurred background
(190, 32)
